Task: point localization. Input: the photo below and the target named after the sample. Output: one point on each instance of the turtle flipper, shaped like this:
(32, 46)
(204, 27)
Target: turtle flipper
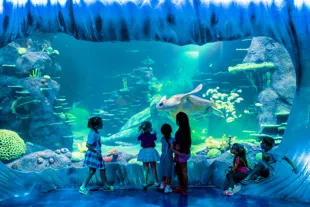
(196, 90)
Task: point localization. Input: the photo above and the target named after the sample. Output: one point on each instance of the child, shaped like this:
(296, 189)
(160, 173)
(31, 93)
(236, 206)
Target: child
(238, 172)
(148, 154)
(263, 169)
(93, 158)
(166, 159)
(181, 149)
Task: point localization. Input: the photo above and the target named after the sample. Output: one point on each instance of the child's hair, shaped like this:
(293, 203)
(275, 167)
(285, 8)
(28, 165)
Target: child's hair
(166, 130)
(269, 141)
(145, 126)
(95, 123)
(241, 153)
(184, 128)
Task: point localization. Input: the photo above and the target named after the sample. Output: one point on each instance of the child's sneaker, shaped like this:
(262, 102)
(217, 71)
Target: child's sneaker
(236, 189)
(185, 193)
(228, 192)
(156, 185)
(168, 189)
(162, 186)
(84, 191)
(178, 189)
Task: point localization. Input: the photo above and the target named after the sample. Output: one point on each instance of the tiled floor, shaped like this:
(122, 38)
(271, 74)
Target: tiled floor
(200, 197)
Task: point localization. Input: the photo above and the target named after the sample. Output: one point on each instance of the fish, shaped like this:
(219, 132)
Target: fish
(125, 144)
(108, 114)
(258, 104)
(132, 51)
(239, 91)
(56, 123)
(234, 94)
(230, 119)
(60, 99)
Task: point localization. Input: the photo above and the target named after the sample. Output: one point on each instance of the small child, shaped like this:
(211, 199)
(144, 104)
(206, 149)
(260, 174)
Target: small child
(264, 168)
(238, 172)
(148, 154)
(166, 158)
(93, 157)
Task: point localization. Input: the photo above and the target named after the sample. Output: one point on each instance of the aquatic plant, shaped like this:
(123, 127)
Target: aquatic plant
(125, 85)
(11, 145)
(250, 66)
(82, 147)
(35, 73)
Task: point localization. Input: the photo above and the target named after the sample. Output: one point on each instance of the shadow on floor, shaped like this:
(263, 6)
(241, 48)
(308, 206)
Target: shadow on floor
(200, 197)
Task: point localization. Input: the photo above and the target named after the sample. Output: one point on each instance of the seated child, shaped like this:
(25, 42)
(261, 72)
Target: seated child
(264, 168)
(238, 172)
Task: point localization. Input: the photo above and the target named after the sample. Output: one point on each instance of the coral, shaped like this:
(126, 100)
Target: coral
(250, 66)
(82, 148)
(212, 144)
(51, 160)
(64, 150)
(134, 161)
(213, 153)
(50, 50)
(35, 73)
(22, 50)
(77, 156)
(11, 145)
(40, 160)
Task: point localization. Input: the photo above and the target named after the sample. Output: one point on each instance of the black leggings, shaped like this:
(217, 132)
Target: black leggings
(234, 177)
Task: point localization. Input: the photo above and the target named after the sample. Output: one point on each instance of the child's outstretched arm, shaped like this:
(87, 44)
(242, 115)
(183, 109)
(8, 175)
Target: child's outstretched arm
(295, 170)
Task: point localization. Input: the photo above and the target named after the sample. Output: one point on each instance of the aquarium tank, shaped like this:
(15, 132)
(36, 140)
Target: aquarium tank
(51, 89)
(237, 85)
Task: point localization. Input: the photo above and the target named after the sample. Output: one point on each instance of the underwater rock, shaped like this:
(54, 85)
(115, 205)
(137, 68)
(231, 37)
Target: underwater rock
(29, 163)
(42, 116)
(280, 91)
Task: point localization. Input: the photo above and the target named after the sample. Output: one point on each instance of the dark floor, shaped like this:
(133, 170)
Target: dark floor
(201, 197)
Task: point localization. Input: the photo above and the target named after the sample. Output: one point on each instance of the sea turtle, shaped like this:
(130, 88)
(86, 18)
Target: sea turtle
(193, 106)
